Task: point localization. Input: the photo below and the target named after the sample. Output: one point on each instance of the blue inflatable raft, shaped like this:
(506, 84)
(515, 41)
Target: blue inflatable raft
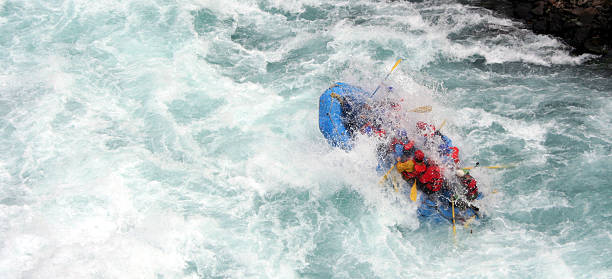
(337, 106)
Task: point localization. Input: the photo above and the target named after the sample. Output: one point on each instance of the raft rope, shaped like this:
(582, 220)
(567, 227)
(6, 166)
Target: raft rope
(337, 97)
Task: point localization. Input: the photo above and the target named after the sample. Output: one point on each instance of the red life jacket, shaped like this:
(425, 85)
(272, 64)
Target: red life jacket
(455, 154)
(470, 186)
(419, 168)
(432, 179)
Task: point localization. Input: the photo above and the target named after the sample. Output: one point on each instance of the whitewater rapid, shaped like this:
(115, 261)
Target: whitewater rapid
(179, 139)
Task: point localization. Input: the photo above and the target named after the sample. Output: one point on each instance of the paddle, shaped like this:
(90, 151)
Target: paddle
(491, 167)
(396, 63)
(469, 221)
(422, 109)
(442, 125)
(413, 191)
(386, 174)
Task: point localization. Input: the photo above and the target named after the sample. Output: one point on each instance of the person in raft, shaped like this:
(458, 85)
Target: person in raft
(429, 176)
(448, 152)
(412, 168)
(470, 189)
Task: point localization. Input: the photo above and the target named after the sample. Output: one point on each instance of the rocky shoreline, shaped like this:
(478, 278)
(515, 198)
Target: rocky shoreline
(584, 25)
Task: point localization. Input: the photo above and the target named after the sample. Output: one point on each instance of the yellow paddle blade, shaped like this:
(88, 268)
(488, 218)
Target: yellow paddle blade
(396, 63)
(422, 109)
(442, 125)
(413, 192)
(469, 221)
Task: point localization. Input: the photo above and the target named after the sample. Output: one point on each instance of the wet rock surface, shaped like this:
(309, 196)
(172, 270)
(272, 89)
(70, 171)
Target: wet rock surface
(584, 25)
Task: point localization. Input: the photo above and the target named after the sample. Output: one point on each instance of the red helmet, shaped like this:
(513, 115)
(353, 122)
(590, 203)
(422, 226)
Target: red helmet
(418, 155)
(421, 125)
(455, 154)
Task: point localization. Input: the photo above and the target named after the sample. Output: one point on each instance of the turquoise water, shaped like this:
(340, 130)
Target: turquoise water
(179, 139)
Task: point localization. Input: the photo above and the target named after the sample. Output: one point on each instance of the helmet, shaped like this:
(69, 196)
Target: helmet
(421, 125)
(418, 155)
(455, 154)
(460, 173)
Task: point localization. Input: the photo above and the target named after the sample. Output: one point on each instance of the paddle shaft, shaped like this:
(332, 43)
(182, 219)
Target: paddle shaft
(387, 76)
(386, 174)
(454, 228)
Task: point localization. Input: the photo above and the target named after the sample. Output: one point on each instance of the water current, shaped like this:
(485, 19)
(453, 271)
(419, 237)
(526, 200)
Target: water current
(180, 139)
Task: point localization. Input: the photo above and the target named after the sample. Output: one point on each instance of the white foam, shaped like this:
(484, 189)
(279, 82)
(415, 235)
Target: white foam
(540, 199)
(532, 133)
(133, 212)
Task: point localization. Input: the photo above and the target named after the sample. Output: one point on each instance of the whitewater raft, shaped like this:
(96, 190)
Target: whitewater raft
(339, 119)
(337, 107)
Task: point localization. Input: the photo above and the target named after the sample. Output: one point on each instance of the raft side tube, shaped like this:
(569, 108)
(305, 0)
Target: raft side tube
(441, 211)
(332, 104)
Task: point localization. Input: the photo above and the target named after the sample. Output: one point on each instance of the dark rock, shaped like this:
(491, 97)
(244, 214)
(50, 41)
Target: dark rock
(555, 24)
(582, 34)
(593, 45)
(583, 24)
(523, 12)
(539, 8)
(576, 11)
(587, 16)
(540, 26)
(598, 3)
